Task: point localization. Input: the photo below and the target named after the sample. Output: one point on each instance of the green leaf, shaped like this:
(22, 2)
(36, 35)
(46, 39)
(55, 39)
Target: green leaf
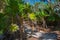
(51, 18)
(32, 16)
(14, 27)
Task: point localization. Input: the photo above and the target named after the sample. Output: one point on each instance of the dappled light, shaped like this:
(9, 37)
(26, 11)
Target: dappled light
(29, 20)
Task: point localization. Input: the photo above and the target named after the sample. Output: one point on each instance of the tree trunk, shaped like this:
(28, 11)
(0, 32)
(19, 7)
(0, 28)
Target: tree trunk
(20, 23)
(44, 23)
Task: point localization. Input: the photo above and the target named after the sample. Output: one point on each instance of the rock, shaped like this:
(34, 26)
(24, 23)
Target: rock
(50, 36)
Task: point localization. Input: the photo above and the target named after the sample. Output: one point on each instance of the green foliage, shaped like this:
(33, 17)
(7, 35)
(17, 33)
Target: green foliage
(21, 8)
(11, 9)
(3, 22)
(32, 16)
(14, 7)
(51, 18)
(1, 32)
(13, 27)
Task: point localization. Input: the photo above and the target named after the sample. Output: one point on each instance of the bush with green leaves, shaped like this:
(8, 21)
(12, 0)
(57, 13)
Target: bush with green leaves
(16, 8)
(13, 28)
(4, 22)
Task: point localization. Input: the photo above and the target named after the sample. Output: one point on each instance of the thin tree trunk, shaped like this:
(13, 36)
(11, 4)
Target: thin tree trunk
(20, 23)
(44, 23)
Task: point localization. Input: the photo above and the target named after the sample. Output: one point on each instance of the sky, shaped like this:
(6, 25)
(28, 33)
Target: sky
(34, 1)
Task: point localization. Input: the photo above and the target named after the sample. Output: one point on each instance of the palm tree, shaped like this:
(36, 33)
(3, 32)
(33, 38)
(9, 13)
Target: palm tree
(14, 9)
